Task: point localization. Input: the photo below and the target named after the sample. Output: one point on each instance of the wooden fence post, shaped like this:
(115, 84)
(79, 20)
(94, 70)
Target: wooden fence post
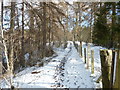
(92, 61)
(88, 53)
(85, 54)
(80, 48)
(106, 59)
(76, 46)
(117, 74)
(112, 67)
(0, 68)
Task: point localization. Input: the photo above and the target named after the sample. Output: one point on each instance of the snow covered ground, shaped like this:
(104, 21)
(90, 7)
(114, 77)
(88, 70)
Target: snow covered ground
(67, 70)
(74, 74)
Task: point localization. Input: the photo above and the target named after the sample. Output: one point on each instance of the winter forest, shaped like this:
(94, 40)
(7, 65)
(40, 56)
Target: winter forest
(59, 44)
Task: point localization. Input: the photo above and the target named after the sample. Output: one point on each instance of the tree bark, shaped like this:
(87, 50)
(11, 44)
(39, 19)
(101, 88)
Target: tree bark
(12, 21)
(31, 20)
(2, 36)
(11, 55)
(18, 20)
(2, 14)
(113, 24)
(0, 67)
(44, 29)
(22, 60)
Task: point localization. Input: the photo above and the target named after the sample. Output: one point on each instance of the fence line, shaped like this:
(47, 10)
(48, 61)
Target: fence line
(110, 65)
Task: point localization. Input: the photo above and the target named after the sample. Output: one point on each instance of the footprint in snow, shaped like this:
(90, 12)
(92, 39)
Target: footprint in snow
(62, 74)
(61, 80)
(83, 83)
(58, 84)
(75, 83)
(67, 80)
(80, 77)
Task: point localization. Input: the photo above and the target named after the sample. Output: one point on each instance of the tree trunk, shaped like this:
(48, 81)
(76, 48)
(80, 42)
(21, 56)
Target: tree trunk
(12, 21)
(11, 55)
(22, 60)
(11, 62)
(2, 37)
(0, 67)
(1, 13)
(31, 20)
(113, 24)
(50, 22)
(18, 20)
(44, 29)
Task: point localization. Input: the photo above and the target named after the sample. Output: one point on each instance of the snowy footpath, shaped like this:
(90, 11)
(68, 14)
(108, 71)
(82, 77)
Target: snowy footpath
(74, 74)
(67, 70)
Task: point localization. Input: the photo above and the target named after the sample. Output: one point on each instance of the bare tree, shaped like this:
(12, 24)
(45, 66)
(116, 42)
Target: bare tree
(12, 25)
(22, 60)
